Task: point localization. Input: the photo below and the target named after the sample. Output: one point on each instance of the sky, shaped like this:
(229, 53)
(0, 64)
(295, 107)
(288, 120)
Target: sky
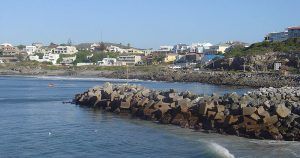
(144, 23)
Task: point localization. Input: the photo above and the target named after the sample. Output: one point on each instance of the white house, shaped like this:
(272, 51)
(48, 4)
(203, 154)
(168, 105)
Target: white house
(30, 49)
(94, 46)
(277, 36)
(116, 49)
(65, 50)
(68, 60)
(129, 59)
(199, 47)
(46, 58)
(180, 48)
(37, 45)
(107, 62)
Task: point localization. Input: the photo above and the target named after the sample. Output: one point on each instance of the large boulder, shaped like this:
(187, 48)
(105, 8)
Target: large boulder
(282, 111)
(248, 110)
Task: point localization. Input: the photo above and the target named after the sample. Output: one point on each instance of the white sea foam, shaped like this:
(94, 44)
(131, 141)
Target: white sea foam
(220, 150)
(269, 142)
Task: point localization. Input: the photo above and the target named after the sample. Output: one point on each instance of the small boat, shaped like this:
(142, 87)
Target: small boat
(50, 85)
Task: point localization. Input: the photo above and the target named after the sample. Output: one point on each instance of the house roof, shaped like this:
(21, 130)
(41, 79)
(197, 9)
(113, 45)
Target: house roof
(294, 28)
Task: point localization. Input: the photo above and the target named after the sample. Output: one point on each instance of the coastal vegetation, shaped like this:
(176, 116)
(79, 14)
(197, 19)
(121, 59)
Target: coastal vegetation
(93, 57)
(289, 46)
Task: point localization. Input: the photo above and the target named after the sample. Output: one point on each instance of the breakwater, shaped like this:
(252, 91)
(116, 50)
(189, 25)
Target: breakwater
(267, 113)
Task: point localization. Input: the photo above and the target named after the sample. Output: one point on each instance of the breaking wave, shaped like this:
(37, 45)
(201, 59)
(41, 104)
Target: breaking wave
(220, 151)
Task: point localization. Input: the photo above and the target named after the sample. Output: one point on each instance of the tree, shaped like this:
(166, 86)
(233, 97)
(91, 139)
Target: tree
(40, 55)
(21, 47)
(102, 46)
(81, 57)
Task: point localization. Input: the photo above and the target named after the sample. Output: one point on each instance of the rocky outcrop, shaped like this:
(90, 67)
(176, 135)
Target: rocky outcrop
(267, 113)
(213, 77)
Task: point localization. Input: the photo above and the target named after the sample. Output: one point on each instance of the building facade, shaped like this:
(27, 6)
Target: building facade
(107, 62)
(170, 57)
(46, 58)
(8, 49)
(30, 49)
(129, 59)
(165, 48)
(65, 50)
(277, 36)
(294, 32)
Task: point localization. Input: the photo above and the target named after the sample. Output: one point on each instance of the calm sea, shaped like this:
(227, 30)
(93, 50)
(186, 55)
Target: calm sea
(35, 123)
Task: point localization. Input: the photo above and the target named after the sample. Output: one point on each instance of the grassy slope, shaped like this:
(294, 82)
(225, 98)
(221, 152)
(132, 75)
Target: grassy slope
(290, 45)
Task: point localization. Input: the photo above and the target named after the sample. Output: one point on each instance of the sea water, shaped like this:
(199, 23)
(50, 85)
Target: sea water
(34, 122)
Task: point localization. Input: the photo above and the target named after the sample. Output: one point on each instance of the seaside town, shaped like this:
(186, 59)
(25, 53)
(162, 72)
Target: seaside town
(179, 56)
(150, 78)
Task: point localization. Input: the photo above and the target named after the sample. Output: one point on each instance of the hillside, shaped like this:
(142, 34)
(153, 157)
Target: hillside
(261, 48)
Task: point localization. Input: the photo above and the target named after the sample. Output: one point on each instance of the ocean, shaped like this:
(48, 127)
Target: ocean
(34, 122)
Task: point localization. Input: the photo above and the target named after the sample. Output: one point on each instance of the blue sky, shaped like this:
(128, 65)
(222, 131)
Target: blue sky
(144, 23)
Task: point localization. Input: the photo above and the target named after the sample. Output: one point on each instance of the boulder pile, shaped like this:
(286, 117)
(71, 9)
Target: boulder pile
(267, 113)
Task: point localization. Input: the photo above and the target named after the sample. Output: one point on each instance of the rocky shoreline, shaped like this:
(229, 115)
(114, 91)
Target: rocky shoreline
(213, 77)
(164, 74)
(266, 113)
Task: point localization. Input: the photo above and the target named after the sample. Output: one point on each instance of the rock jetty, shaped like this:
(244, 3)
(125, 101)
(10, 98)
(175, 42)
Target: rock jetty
(266, 113)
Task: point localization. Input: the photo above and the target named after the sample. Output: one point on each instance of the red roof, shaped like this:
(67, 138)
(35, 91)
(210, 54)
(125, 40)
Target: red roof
(294, 28)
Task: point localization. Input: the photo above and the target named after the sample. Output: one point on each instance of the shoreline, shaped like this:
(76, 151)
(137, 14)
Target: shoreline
(226, 78)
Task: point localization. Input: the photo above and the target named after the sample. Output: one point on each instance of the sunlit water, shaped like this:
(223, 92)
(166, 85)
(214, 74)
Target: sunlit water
(35, 123)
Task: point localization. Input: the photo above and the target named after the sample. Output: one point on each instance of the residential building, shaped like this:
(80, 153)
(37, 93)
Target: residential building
(293, 32)
(277, 36)
(107, 62)
(46, 58)
(129, 59)
(8, 49)
(37, 45)
(222, 48)
(116, 49)
(193, 57)
(94, 46)
(84, 46)
(6, 45)
(68, 60)
(216, 49)
(166, 48)
(65, 50)
(30, 49)
(147, 51)
(134, 51)
(170, 57)
(199, 47)
(181, 48)
(189, 58)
